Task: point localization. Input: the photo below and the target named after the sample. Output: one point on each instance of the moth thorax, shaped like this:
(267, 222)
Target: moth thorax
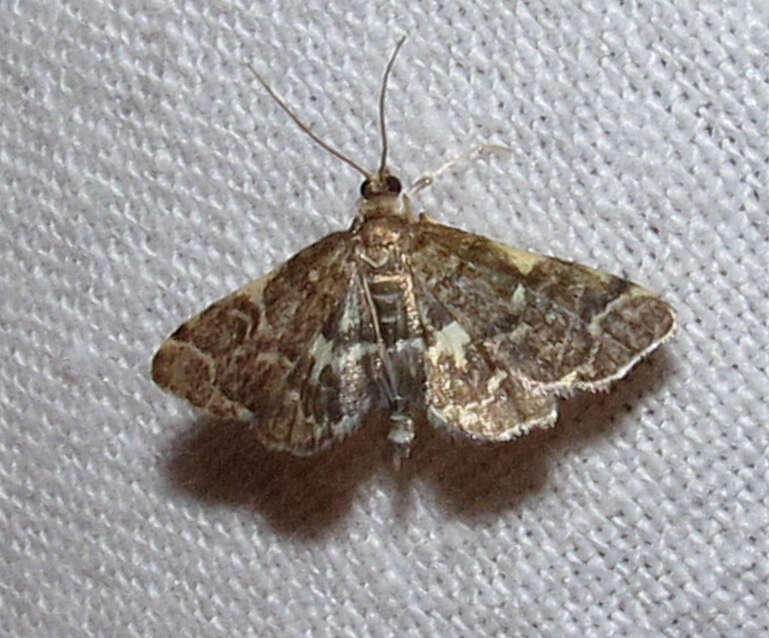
(382, 206)
(381, 239)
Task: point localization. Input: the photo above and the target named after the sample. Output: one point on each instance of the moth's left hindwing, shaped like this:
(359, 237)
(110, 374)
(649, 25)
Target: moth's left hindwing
(283, 353)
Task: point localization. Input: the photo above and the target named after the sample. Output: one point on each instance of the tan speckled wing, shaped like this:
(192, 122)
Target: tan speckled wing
(508, 331)
(274, 353)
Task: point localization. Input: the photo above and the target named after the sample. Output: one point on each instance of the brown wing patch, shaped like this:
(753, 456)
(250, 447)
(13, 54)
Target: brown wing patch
(557, 326)
(468, 389)
(280, 353)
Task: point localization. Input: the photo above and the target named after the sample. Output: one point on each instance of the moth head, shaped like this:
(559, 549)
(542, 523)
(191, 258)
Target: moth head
(384, 185)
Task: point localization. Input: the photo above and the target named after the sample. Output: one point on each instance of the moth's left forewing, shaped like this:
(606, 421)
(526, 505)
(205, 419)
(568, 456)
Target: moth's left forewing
(468, 388)
(536, 326)
(625, 320)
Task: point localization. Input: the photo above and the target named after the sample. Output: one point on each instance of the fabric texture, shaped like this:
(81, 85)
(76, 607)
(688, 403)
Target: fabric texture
(145, 174)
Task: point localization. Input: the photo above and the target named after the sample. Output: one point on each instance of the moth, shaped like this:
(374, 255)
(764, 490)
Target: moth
(403, 314)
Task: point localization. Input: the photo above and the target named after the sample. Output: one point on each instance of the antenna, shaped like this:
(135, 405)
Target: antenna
(320, 142)
(382, 128)
(304, 126)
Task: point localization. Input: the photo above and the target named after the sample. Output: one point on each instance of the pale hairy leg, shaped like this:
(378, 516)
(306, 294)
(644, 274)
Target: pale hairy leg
(430, 178)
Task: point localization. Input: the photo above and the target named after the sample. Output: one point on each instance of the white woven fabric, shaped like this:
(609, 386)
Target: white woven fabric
(145, 174)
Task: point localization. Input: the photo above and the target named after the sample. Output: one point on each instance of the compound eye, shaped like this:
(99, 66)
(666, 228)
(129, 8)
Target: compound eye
(393, 185)
(375, 188)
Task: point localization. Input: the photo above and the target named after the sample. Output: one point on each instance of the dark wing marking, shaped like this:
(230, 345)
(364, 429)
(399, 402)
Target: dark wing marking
(553, 327)
(289, 353)
(466, 386)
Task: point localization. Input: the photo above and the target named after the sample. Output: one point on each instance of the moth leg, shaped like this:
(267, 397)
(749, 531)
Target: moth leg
(430, 178)
(401, 436)
(402, 431)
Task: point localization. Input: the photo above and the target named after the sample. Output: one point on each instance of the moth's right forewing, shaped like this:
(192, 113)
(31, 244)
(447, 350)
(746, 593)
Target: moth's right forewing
(282, 353)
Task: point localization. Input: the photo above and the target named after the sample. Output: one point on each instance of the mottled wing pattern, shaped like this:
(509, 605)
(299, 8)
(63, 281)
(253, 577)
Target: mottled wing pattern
(508, 331)
(287, 353)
